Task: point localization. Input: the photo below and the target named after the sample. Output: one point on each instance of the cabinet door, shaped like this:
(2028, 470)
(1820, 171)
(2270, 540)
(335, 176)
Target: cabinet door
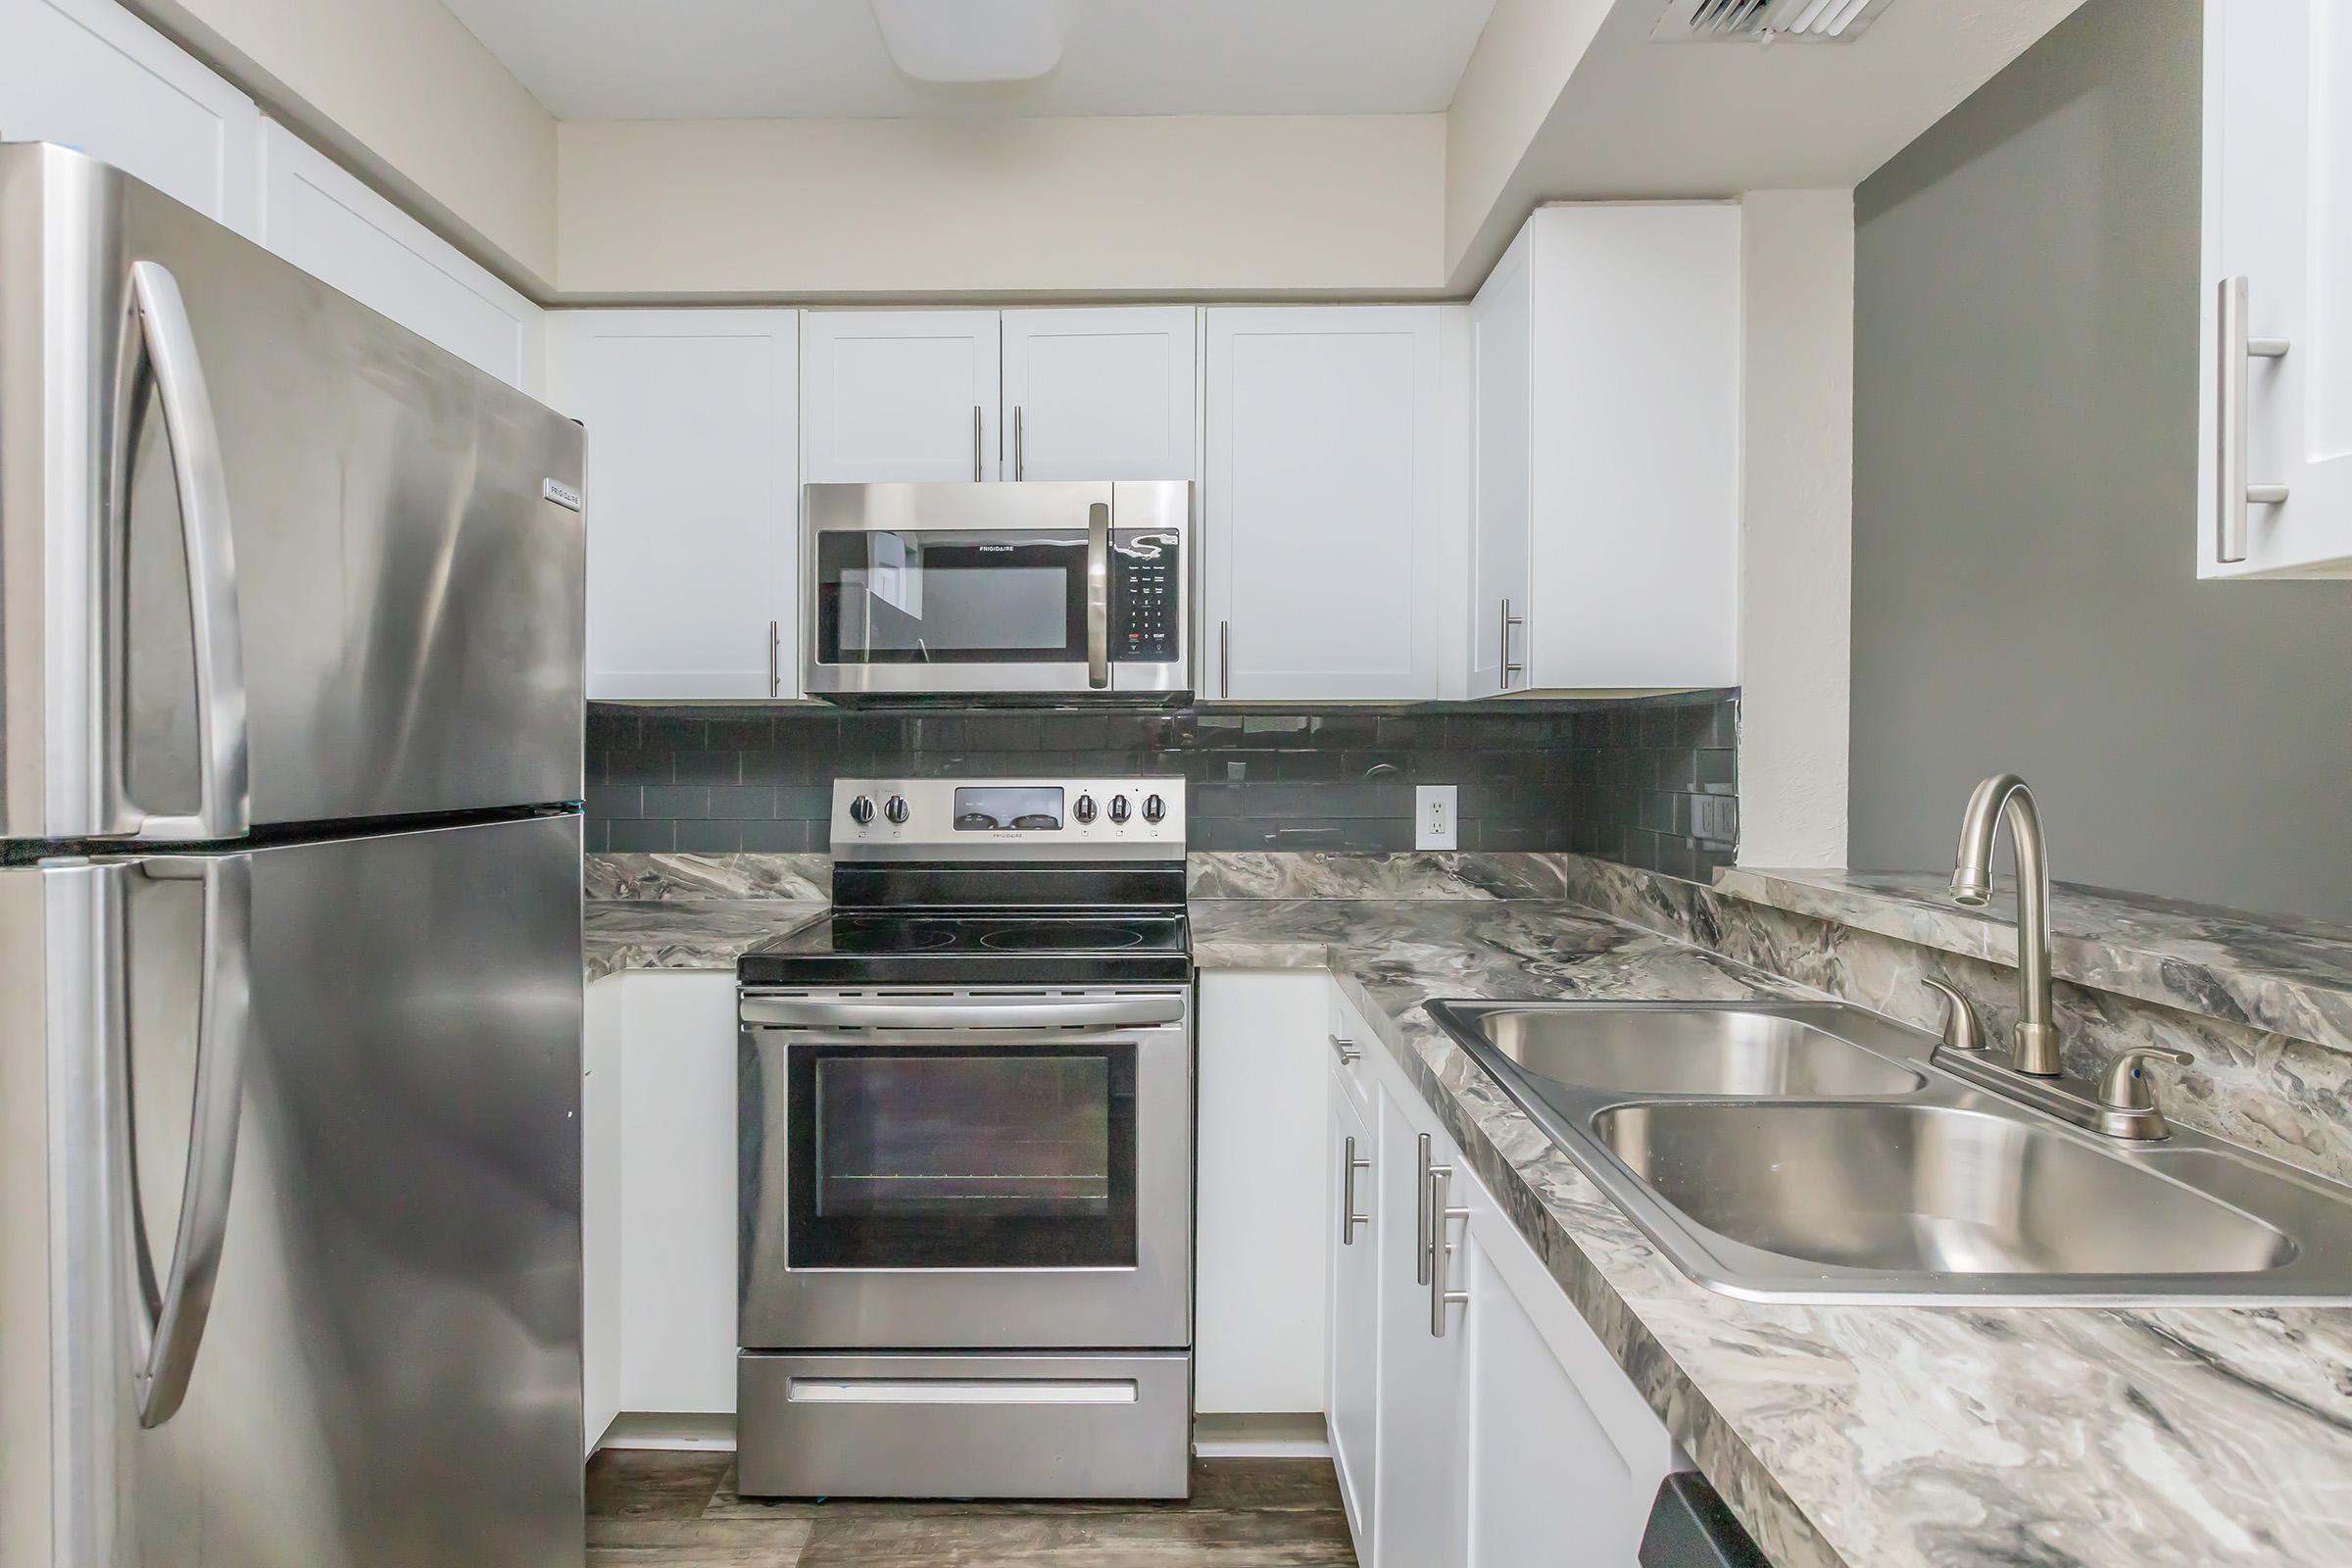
(319, 216)
(1322, 503)
(900, 395)
(600, 1187)
(1500, 456)
(1418, 1514)
(692, 498)
(678, 1213)
(1557, 1445)
(1636, 491)
(87, 73)
(1352, 1401)
(1258, 1318)
(1103, 394)
(2278, 215)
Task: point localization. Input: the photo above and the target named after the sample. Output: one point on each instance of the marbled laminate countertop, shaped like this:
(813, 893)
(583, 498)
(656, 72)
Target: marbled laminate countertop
(619, 934)
(1868, 1437)
(1849, 1437)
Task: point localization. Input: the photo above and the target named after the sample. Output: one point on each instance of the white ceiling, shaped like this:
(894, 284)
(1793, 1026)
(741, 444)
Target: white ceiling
(772, 59)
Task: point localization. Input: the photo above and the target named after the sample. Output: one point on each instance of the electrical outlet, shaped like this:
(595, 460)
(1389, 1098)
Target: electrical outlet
(1433, 817)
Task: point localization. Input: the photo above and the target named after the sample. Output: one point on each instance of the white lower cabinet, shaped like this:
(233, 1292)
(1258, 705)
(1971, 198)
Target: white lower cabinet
(1353, 1386)
(1417, 1514)
(1257, 1315)
(1476, 1419)
(657, 1200)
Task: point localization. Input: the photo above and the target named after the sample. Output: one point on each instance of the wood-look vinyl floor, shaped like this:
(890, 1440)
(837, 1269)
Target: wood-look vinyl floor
(680, 1510)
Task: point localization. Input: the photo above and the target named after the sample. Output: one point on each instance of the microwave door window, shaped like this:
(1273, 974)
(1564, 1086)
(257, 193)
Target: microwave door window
(951, 598)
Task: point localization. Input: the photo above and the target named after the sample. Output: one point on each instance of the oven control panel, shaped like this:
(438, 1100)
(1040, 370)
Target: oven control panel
(1008, 818)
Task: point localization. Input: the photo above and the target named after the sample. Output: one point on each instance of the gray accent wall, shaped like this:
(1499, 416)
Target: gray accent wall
(2024, 589)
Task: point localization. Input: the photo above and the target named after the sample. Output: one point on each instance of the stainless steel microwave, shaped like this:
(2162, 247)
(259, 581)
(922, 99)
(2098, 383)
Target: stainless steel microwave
(1033, 588)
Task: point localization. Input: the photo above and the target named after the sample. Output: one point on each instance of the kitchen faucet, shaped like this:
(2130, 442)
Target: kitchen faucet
(2004, 795)
(2122, 1103)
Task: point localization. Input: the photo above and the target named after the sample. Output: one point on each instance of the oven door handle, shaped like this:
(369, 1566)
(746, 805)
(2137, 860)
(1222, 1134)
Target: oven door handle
(1123, 1013)
(1097, 595)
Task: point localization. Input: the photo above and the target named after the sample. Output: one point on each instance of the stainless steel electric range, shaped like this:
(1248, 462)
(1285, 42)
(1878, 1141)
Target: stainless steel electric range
(966, 1106)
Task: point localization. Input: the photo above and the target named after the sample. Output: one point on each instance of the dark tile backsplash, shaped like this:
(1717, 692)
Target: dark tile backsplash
(1619, 778)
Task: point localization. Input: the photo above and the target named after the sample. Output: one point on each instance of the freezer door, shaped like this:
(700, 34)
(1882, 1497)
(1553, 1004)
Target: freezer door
(328, 1309)
(265, 557)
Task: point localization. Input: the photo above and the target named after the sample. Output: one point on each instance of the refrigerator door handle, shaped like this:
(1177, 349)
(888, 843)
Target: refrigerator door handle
(167, 1317)
(161, 333)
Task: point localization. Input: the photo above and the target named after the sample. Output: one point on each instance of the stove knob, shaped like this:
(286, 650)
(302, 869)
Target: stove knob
(861, 809)
(1085, 808)
(896, 810)
(1154, 808)
(1118, 809)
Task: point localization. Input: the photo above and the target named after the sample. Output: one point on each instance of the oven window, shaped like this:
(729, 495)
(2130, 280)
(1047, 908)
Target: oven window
(969, 1157)
(951, 598)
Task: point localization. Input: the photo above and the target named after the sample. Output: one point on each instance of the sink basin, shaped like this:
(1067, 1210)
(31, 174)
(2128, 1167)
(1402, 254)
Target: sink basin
(1670, 1049)
(1927, 1188)
(1813, 1152)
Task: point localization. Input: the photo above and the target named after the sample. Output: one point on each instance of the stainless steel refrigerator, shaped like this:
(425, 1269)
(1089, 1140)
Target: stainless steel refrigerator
(290, 721)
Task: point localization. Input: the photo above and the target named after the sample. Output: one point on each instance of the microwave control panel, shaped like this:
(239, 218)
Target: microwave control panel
(1146, 572)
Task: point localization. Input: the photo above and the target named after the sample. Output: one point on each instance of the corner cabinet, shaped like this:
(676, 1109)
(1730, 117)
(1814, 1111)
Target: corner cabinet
(1476, 1419)
(1605, 553)
(1322, 573)
(2275, 466)
(693, 497)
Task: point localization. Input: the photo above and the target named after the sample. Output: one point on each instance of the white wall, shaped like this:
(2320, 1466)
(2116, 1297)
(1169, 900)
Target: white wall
(400, 90)
(1797, 526)
(1515, 75)
(1142, 206)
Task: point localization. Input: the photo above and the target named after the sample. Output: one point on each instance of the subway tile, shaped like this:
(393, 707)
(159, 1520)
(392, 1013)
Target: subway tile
(676, 799)
(640, 766)
(741, 734)
(595, 836)
(1715, 768)
(804, 802)
(605, 802)
(642, 838)
(784, 838)
(708, 768)
(611, 730)
(709, 838)
(741, 803)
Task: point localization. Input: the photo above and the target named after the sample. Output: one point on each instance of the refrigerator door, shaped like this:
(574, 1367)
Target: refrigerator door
(312, 1208)
(265, 557)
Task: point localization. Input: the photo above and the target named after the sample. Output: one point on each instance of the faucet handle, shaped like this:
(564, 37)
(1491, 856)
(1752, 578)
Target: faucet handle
(2124, 1087)
(1961, 1031)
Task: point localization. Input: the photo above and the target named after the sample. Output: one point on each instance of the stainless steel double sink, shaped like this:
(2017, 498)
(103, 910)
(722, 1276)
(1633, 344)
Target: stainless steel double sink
(1811, 1151)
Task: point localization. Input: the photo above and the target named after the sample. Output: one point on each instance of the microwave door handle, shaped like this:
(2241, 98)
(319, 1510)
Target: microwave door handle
(1097, 595)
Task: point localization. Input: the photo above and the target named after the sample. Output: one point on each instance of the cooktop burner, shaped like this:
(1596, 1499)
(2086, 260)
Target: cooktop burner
(1063, 936)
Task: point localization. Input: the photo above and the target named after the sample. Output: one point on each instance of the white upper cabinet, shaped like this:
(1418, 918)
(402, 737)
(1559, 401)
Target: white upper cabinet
(1100, 394)
(1613, 331)
(87, 73)
(900, 395)
(321, 217)
(1501, 459)
(693, 498)
(2274, 492)
(1322, 501)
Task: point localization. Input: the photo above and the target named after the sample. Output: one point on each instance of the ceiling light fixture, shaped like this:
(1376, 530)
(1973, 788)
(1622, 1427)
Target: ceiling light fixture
(973, 40)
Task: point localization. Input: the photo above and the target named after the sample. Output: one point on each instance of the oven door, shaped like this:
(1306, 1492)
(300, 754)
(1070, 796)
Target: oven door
(978, 1169)
(983, 588)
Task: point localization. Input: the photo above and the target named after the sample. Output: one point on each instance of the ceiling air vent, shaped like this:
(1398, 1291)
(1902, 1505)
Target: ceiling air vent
(1764, 21)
